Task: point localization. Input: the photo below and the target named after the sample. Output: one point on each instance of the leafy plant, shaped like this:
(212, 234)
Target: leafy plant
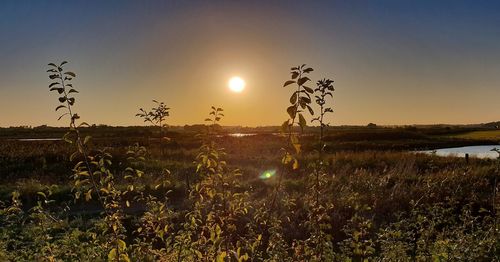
(211, 228)
(156, 115)
(324, 89)
(92, 173)
(319, 245)
(300, 100)
(389, 206)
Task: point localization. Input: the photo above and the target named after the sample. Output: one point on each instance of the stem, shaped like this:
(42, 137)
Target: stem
(161, 129)
(179, 255)
(226, 213)
(276, 189)
(317, 188)
(280, 176)
(321, 128)
(80, 144)
(85, 159)
(42, 225)
(117, 250)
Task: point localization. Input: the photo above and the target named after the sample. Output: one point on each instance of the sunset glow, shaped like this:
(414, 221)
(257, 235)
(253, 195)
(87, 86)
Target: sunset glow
(395, 62)
(249, 130)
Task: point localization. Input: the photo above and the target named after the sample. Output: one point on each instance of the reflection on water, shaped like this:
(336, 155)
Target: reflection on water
(39, 139)
(473, 151)
(254, 134)
(241, 134)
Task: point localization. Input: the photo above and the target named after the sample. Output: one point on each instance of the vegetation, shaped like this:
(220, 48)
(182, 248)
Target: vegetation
(486, 134)
(304, 195)
(156, 115)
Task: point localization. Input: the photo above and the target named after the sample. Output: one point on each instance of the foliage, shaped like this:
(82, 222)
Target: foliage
(346, 206)
(323, 90)
(156, 116)
(219, 206)
(300, 100)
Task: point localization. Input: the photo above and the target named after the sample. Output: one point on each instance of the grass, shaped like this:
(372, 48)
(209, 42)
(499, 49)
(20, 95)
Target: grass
(480, 135)
(380, 192)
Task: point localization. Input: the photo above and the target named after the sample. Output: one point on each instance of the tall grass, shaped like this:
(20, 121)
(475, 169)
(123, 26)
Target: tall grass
(178, 203)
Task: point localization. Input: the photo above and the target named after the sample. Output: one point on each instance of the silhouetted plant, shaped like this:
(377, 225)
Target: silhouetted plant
(219, 221)
(319, 244)
(273, 220)
(300, 101)
(83, 169)
(156, 116)
(92, 174)
(323, 90)
(210, 231)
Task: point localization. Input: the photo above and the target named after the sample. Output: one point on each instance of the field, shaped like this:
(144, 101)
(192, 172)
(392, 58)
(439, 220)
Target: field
(249, 131)
(378, 200)
(293, 192)
(482, 135)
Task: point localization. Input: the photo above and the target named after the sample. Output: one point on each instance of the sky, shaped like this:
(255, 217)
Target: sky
(393, 62)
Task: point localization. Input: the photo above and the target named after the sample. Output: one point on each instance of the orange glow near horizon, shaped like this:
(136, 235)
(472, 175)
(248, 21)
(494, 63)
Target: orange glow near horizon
(388, 69)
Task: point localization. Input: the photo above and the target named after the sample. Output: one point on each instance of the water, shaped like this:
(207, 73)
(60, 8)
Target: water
(241, 134)
(473, 151)
(39, 139)
(254, 134)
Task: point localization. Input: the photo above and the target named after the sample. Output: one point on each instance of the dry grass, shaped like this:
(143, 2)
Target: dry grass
(480, 135)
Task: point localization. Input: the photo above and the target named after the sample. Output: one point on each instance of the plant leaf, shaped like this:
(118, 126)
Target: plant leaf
(292, 111)
(293, 98)
(288, 83)
(310, 110)
(70, 74)
(303, 80)
(62, 116)
(59, 107)
(295, 164)
(87, 139)
(308, 70)
(308, 89)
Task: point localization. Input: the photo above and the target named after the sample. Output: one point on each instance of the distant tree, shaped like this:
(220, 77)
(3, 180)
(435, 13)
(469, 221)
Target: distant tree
(372, 125)
(195, 128)
(411, 128)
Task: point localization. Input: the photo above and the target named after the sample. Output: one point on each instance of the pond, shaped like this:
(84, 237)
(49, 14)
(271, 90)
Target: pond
(241, 134)
(39, 139)
(483, 151)
(254, 134)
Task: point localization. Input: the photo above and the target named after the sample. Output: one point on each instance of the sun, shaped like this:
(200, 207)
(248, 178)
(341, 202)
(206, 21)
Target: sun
(236, 84)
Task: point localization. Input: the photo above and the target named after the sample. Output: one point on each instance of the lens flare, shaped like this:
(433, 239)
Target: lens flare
(267, 174)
